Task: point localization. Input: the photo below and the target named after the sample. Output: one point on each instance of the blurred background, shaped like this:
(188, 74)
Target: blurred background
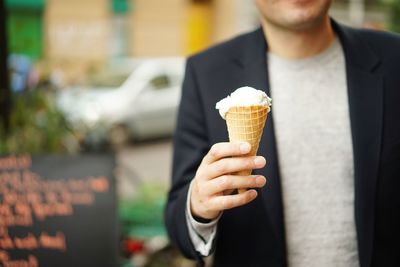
(103, 77)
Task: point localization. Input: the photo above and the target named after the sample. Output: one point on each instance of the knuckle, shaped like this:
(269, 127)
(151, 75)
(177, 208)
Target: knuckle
(220, 167)
(196, 188)
(227, 203)
(200, 171)
(207, 200)
(214, 151)
(224, 182)
(248, 164)
(200, 191)
(201, 177)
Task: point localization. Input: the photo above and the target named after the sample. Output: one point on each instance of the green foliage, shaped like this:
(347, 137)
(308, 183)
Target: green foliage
(36, 126)
(394, 10)
(143, 216)
(396, 17)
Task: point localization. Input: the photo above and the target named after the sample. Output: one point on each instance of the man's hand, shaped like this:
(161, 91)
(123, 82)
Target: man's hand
(214, 180)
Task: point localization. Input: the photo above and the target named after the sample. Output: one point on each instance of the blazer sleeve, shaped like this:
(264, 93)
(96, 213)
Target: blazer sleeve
(190, 144)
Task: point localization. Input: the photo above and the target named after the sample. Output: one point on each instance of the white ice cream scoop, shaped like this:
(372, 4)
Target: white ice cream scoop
(243, 97)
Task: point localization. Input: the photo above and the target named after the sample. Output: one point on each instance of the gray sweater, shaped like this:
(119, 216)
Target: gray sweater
(312, 126)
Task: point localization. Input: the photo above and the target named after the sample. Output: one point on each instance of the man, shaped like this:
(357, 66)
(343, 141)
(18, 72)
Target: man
(331, 146)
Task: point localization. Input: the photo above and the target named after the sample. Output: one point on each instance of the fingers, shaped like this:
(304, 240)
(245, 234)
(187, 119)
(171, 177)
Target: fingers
(232, 201)
(223, 150)
(210, 207)
(214, 177)
(231, 165)
(226, 182)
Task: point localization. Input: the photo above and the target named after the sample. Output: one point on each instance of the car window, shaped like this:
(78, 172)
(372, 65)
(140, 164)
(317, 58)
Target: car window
(113, 80)
(160, 82)
(105, 79)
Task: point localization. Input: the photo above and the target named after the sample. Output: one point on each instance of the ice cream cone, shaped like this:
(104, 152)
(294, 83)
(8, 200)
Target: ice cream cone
(246, 124)
(245, 111)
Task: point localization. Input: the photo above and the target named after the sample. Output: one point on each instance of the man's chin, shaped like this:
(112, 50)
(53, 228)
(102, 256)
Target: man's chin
(303, 23)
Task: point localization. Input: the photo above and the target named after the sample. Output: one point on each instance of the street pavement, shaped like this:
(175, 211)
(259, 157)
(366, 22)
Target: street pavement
(143, 163)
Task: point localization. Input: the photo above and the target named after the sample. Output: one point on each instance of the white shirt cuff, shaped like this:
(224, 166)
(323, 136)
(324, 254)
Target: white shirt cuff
(202, 235)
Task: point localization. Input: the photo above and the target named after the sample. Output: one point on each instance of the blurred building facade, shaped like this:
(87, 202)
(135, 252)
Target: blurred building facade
(77, 36)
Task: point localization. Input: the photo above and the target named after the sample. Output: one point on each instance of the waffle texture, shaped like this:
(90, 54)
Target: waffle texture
(246, 124)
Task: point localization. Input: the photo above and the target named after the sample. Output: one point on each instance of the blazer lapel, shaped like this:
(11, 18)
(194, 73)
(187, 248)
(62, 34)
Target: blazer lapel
(365, 91)
(255, 71)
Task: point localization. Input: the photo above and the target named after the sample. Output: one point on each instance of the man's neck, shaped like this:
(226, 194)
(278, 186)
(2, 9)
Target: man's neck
(296, 44)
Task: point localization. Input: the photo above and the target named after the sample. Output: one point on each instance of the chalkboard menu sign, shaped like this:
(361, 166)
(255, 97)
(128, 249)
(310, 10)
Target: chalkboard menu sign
(57, 211)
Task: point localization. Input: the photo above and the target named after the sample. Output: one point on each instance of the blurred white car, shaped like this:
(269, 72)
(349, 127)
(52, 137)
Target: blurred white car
(143, 106)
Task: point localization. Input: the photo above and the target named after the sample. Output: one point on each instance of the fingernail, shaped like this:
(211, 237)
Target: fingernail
(260, 180)
(253, 193)
(259, 161)
(244, 147)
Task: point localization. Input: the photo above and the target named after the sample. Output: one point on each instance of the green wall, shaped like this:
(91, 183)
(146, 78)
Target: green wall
(25, 27)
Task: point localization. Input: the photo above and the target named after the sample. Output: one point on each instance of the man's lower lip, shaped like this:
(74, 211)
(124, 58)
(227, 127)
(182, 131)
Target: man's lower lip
(300, 1)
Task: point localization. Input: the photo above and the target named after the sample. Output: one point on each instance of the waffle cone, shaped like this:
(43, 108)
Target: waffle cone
(246, 124)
